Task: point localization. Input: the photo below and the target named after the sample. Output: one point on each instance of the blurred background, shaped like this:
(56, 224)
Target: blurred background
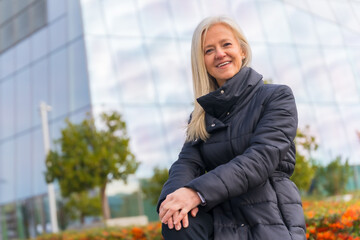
(133, 56)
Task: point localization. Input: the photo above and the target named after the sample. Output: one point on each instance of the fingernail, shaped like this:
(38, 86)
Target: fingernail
(177, 227)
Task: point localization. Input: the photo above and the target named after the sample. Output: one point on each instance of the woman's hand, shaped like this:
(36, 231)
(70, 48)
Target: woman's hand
(176, 206)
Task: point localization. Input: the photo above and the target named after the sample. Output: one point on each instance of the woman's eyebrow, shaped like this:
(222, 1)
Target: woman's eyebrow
(221, 41)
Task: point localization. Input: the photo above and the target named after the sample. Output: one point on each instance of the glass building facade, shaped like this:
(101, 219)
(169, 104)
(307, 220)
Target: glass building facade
(133, 56)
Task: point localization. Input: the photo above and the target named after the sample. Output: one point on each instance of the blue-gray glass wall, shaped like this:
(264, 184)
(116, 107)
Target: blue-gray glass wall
(42, 58)
(141, 50)
(134, 56)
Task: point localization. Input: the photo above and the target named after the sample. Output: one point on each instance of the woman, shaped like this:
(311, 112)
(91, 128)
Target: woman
(231, 180)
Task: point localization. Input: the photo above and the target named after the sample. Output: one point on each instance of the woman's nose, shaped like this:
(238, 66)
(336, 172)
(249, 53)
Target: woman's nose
(220, 54)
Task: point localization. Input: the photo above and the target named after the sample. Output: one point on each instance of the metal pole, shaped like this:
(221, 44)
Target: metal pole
(44, 108)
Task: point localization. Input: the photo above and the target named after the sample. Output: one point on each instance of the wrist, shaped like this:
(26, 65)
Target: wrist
(202, 199)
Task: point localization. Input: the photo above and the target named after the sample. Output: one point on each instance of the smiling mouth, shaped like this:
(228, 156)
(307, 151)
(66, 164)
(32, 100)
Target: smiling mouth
(222, 64)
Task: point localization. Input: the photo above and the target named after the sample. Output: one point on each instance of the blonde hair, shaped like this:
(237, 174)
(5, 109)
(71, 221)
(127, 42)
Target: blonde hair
(203, 83)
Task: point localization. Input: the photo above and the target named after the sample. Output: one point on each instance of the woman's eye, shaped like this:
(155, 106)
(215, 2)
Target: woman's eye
(207, 51)
(227, 44)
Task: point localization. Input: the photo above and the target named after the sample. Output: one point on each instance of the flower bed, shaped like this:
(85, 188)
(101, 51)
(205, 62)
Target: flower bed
(151, 231)
(325, 220)
(332, 220)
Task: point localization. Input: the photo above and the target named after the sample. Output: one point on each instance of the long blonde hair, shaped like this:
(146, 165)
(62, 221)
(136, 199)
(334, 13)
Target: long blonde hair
(203, 83)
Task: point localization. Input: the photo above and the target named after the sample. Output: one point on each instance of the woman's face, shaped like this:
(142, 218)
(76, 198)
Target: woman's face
(222, 53)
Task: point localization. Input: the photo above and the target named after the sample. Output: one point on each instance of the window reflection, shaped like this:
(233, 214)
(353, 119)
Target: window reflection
(23, 107)
(59, 84)
(273, 14)
(7, 169)
(7, 96)
(24, 167)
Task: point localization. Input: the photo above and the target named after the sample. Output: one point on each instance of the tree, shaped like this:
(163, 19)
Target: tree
(152, 188)
(79, 205)
(91, 157)
(332, 179)
(304, 167)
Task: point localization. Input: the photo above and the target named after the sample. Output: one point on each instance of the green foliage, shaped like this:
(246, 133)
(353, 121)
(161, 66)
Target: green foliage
(79, 205)
(91, 157)
(304, 167)
(332, 179)
(152, 188)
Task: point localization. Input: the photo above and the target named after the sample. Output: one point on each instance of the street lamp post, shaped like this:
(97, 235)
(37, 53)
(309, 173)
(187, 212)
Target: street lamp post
(44, 108)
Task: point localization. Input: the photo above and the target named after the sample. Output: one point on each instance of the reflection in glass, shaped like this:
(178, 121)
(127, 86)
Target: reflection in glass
(7, 96)
(40, 89)
(273, 14)
(302, 26)
(59, 84)
(316, 77)
(7, 169)
(342, 77)
(23, 107)
(78, 79)
(24, 167)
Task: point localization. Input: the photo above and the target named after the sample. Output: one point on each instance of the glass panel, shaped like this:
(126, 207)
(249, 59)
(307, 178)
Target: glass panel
(261, 61)
(40, 88)
(23, 100)
(75, 28)
(121, 12)
(299, 4)
(24, 167)
(155, 19)
(59, 84)
(180, 12)
(7, 169)
(165, 61)
(275, 22)
(7, 106)
(38, 14)
(316, 77)
(302, 26)
(352, 115)
(38, 156)
(175, 122)
(101, 67)
(145, 127)
(39, 44)
(134, 73)
(321, 8)
(22, 54)
(92, 12)
(79, 85)
(286, 65)
(345, 15)
(7, 10)
(8, 62)
(334, 142)
(328, 32)
(58, 33)
(341, 75)
(7, 35)
(55, 9)
(210, 7)
(249, 20)
(22, 25)
(351, 38)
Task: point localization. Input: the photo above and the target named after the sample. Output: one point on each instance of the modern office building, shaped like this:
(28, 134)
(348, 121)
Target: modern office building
(133, 56)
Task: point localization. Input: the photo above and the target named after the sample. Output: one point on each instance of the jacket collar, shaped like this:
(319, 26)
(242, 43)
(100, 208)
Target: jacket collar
(235, 90)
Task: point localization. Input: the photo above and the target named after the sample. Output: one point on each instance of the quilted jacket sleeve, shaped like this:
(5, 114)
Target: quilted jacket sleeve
(188, 166)
(269, 144)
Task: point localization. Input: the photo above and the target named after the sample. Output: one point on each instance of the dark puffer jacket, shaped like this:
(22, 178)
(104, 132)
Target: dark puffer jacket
(243, 169)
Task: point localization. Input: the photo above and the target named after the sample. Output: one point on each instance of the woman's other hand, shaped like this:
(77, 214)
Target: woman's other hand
(176, 206)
